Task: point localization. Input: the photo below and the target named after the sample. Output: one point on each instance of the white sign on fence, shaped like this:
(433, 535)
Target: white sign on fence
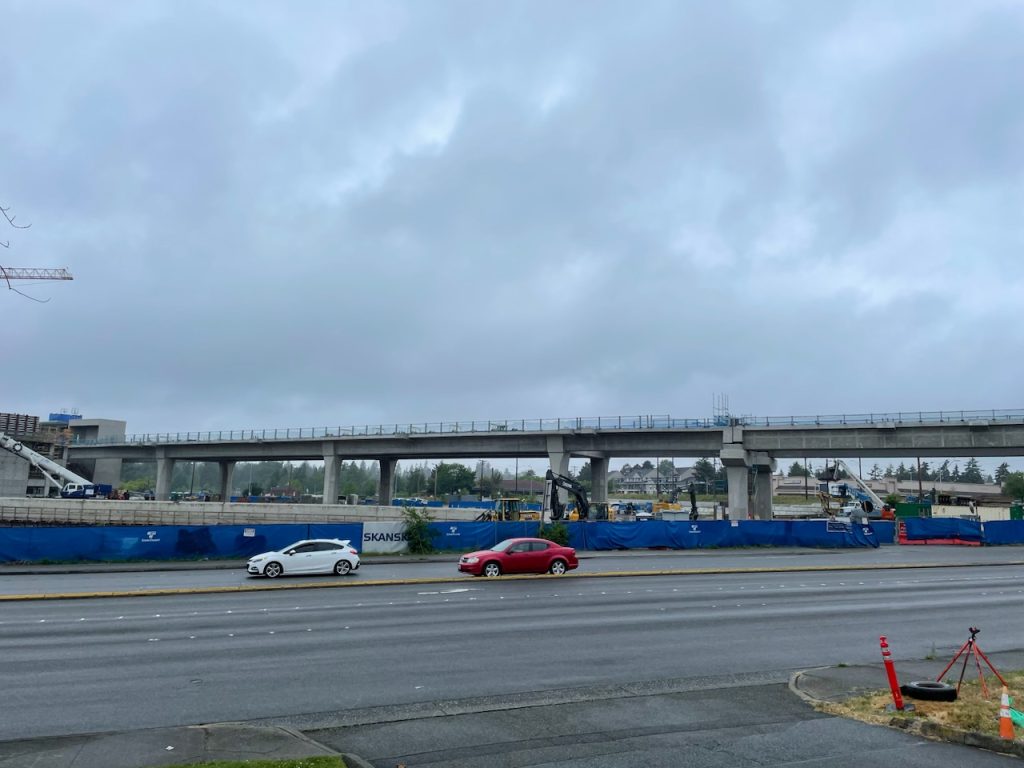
(384, 538)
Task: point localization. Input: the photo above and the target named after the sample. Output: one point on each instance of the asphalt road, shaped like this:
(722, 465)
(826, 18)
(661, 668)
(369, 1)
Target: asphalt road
(14, 580)
(112, 664)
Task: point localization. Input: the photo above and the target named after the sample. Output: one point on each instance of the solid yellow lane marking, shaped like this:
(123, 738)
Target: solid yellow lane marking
(275, 586)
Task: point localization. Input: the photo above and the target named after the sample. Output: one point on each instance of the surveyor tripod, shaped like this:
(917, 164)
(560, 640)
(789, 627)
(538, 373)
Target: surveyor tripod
(968, 649)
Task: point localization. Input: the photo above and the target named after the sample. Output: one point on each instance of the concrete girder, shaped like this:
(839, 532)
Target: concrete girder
(881, 440)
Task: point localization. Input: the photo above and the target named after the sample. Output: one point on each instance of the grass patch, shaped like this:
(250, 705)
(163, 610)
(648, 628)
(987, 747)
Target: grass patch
(295, 762)
(970, 712)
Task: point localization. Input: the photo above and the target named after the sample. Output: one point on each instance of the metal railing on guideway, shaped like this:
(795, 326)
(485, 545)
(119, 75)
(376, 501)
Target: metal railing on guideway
(578, 423)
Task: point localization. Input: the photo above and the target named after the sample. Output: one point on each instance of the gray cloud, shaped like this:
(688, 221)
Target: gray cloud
(334, 214)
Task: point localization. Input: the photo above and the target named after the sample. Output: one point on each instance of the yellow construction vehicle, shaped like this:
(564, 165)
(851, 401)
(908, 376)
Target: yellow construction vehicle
(511, 510)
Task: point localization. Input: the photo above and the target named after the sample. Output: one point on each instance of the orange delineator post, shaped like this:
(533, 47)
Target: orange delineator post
(890, 671)
(1005, 722)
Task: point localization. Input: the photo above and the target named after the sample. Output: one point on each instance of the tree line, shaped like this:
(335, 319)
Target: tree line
(281, 478)
(943, 473)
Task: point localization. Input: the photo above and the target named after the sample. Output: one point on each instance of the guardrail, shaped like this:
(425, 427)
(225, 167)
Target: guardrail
(601, 423)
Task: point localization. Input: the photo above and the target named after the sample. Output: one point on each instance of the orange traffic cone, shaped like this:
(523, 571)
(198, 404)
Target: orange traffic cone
(1005, 723)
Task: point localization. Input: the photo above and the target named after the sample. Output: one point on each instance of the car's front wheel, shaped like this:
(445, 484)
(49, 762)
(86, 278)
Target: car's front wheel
(273, 570)
(491, 570)
(557, 567)
(342, 567)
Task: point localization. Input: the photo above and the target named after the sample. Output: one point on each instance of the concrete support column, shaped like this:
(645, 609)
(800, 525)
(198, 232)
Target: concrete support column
(227, 478)
(739, 500)
(734, 458)
(762, 506)
(762, 465)
(599, 478)
(559, 462)
(164, 470)
(385, 489)
(330, 476)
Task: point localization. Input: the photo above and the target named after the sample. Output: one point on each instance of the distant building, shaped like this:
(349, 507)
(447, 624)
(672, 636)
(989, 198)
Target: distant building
(794, 486)
(651, 481)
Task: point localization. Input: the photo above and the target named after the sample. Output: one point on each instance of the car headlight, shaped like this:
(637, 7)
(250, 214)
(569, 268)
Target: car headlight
(257, 559)
(472, 560)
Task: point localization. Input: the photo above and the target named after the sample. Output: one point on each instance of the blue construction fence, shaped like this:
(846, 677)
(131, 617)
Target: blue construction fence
(161, 542)
(721, 534)
(166, 542)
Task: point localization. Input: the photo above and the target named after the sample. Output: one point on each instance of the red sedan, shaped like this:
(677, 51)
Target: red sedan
(520, 556)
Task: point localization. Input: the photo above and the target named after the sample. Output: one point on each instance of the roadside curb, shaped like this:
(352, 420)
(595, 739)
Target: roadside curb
(170, 591)
(924, 728)
(353, 761)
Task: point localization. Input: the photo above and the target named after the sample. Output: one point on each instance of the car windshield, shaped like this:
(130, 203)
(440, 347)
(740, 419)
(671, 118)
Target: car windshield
(292, 546)
(501, 546)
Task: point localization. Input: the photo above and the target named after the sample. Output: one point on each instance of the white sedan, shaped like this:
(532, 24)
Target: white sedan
(307, 556)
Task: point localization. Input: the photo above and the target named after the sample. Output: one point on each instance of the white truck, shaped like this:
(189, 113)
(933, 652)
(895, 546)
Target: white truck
(74, 486)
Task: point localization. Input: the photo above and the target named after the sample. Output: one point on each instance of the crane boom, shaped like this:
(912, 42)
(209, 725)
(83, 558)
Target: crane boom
(40, 462)
(863, 492)
(34, 273)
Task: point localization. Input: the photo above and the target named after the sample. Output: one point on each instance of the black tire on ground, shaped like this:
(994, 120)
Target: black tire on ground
(273, 570)
(491, 569)
(342, 567)
(558, 567)
(929, 690)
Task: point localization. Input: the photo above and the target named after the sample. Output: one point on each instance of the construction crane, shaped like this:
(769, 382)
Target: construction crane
(26, 273)
(34, 273)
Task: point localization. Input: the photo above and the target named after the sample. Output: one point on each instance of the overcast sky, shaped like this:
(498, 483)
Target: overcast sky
(329, 213)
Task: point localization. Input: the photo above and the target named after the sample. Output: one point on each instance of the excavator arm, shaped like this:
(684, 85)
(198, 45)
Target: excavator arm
(553, 507)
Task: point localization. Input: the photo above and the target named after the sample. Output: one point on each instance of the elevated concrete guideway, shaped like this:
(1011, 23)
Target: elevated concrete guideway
(745, 446)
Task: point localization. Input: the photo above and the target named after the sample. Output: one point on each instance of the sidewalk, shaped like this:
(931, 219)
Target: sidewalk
(166, 746)
(156, 747)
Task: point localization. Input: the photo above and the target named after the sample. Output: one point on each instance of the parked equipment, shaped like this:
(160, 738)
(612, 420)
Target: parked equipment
(848, 496)
(74, 487)
(511, 510)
